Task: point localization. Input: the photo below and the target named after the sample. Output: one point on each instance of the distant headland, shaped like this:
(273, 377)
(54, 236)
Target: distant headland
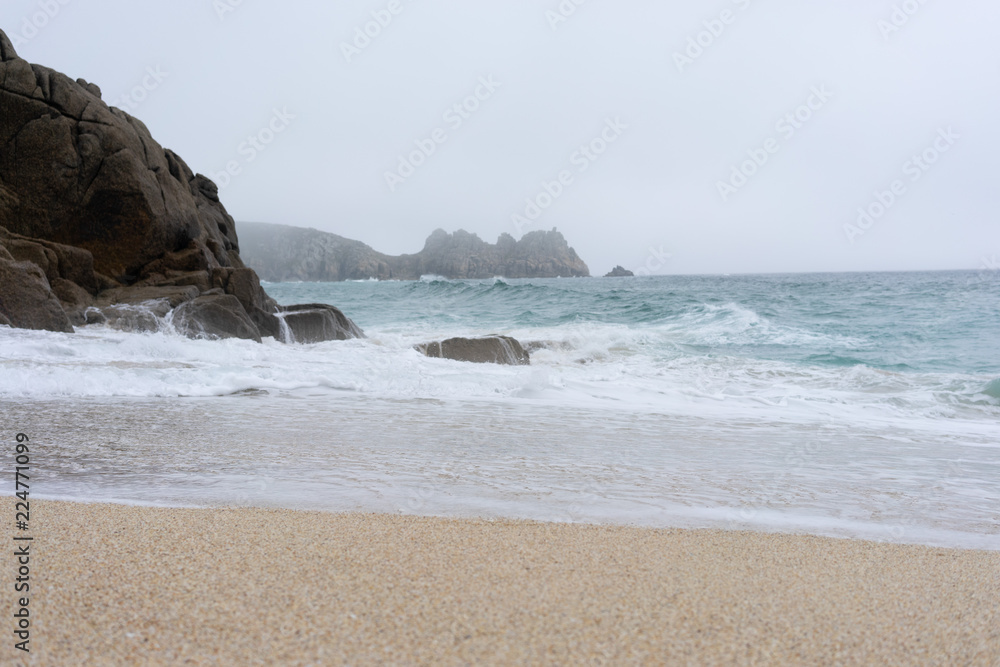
(283, 253)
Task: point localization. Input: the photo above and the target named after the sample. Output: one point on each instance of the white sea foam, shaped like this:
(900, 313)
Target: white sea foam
(696, 415)
(520, 458)
(638, 370)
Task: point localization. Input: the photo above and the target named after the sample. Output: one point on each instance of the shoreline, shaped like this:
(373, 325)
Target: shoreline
(796, 531)
(123, 584)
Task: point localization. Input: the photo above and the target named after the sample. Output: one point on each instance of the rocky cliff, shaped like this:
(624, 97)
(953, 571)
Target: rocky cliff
(96, 215)
(283, 253)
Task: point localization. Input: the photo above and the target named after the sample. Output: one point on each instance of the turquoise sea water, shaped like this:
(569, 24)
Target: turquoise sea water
(905, 322)
(858, 405)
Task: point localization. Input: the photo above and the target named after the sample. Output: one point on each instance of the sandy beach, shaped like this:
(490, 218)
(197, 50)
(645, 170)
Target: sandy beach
(127, 585)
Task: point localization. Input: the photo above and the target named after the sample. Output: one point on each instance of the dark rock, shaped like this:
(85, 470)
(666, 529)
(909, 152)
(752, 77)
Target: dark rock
(317, 322)
(6, 48)
(489, 350)
(77, 172)
(91, 88)
(199, 279)
(27, 301)
(619, 272)
(75, 300)
(245, 286)
(55, 259)
(37, 254)
(173, 295)
(96, 205)
(148, 317)
(282, 253)
(268, 324)
(71, 294)
(105, 283)
(216, 316)
(75, 264)
(94, 316)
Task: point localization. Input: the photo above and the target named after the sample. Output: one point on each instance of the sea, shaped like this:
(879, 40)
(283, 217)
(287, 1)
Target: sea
(856, 405)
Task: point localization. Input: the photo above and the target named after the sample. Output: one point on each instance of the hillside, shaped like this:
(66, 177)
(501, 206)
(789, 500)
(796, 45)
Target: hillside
(283, 253)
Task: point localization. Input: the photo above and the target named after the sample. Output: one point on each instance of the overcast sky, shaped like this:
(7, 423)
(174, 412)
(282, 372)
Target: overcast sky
(683, 108)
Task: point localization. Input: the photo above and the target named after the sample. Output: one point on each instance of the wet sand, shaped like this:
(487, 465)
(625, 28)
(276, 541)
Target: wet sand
(127, 585)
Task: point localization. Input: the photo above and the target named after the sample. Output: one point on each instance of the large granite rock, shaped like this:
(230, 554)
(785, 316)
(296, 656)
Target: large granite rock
(489, 350)
(83, 174)
(55, 259)
(135, 296)
(74, 299)
(118, 229)
(314, 323)
(282, 253)
(27, 301)
(215, 316)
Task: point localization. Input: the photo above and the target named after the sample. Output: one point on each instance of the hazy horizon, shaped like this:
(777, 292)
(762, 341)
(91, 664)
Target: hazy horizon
(737, 137)
(989, 263)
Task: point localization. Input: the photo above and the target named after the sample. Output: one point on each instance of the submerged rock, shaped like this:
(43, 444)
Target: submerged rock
(489, 350)
(148, 317)
(535, 345)
(317, 322)
(215, 316)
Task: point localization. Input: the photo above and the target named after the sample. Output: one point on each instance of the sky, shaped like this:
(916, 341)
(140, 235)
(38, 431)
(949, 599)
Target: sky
(730, 136)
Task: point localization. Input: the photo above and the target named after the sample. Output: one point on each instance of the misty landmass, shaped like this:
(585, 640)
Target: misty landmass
(281, 253)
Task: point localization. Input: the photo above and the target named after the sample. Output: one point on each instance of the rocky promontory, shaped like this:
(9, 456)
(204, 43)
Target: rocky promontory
(284, 253)
(101, 224)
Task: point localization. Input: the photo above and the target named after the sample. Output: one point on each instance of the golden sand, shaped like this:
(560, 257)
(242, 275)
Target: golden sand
(117, 585)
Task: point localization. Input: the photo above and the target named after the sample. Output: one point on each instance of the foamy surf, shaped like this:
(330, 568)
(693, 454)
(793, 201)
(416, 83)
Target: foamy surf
(708, 403)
